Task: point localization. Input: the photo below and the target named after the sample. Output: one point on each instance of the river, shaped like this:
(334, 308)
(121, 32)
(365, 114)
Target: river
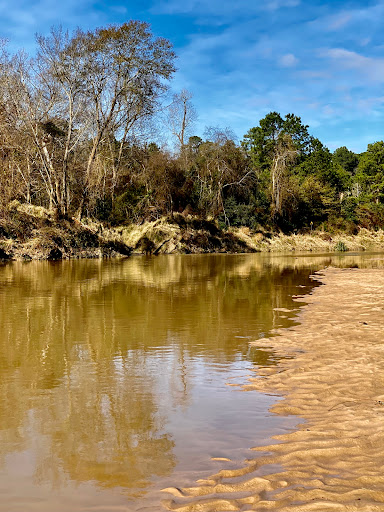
(121, 377)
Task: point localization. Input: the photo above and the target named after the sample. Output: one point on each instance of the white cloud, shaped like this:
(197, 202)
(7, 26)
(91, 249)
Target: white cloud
(339, 21)
(219, 8)
(288, 60)
(354, 20)
(370, 104)
(273, 5)
(366, 67)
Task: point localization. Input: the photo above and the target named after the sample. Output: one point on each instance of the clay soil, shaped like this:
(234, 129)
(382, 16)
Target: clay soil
(334, 384)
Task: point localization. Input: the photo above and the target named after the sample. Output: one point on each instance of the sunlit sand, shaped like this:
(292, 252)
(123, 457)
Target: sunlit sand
(334, 383)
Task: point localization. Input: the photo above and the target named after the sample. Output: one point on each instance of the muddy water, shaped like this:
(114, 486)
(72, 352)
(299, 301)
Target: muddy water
(114, 375)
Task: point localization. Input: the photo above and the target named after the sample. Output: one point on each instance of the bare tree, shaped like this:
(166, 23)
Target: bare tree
(81, 95)
(220, 164)
(63, 80)
(126, 70)
(285, 153)
(23, 109)
(181, 115)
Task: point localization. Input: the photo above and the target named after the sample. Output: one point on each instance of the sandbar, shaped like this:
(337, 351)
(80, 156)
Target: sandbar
(334, 383)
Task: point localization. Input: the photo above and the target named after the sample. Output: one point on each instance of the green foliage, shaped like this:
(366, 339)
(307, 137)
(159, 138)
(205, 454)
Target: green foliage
(126, 207)
(370, 171)
(320, 163)
(193, 145)
(335, 223)
(370, 215)
(340, 247)
(309, 201)
(239, 214)
(349, 206)
(103, 208)
(346, 159)
(260, 142)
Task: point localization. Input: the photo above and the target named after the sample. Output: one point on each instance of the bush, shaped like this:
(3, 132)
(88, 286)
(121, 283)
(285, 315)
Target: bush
(125, 207)
(340, 247)
(371, 215)
(238, 215)
(348, 208)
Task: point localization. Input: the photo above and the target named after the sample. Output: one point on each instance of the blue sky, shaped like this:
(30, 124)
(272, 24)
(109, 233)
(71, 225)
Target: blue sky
(321, 60)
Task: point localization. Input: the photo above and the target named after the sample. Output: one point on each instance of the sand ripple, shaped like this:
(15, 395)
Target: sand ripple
(335, 382)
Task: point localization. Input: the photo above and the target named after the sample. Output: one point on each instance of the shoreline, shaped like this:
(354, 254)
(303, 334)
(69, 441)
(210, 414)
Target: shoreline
(334, 385)
(189, 235)
(33, 233)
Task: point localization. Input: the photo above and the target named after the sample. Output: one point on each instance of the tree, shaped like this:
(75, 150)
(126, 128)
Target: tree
(370, 172)
(84, 95)
(181, 115)
(24, 110)
(273, 147)
(63, 81)
(260, 142)
(219, 165)
(285, 153)
(319, 162)
(126, 69)
(347, 159)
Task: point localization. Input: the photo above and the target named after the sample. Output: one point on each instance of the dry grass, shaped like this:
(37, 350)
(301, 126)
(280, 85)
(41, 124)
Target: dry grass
(38, 212)
(32, 232)
(316, 241)
(183, 234)
(159, 232)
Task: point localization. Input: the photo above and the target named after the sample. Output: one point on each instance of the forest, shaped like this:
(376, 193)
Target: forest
(79, 126)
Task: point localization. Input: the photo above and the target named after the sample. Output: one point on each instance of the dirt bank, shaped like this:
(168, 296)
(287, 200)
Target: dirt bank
(31, 232)
(335, 383)
(184, 235)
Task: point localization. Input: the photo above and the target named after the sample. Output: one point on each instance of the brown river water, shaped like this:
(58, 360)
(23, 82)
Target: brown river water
(114, 374)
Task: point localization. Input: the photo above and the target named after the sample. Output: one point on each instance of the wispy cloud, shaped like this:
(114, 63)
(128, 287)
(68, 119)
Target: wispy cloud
(219, 8)
(366, 68)
(288, 60)
(273, 5)
(349, 21)
(322, 60)
(23, 18)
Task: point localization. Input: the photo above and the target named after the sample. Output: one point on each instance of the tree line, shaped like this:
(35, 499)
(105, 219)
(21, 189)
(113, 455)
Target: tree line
(71, 125)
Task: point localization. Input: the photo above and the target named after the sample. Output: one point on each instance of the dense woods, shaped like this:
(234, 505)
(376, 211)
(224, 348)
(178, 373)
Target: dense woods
(72, 120)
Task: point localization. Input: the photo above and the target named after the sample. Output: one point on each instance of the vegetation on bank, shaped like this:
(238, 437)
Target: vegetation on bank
(77, 125)
(191, 235)
(35, 233)
(31, 232)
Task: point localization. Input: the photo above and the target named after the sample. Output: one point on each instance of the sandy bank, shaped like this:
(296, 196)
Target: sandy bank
(335, 382)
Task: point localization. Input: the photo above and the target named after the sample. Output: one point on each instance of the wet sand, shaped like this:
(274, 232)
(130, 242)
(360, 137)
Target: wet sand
(334, 383)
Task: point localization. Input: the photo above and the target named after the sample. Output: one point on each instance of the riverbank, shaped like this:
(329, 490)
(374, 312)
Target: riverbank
(32, 232)
(184, 235)
(334, 383)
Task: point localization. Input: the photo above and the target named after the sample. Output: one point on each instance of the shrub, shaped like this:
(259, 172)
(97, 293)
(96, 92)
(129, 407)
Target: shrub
(237, 214)
(371, 215)
(340, 247)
